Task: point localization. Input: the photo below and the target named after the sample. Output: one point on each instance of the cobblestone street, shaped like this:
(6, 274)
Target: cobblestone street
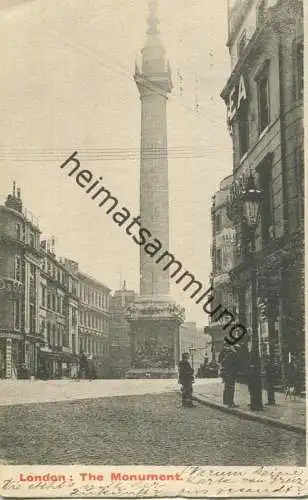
(136, 429)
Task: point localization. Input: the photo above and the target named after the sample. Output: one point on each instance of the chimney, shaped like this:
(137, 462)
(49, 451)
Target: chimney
(12, 202)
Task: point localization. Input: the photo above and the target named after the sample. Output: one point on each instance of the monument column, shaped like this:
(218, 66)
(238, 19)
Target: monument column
(154, 317)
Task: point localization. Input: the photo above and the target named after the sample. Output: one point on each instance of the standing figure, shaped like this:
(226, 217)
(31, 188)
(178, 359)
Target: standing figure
(229, 366)
(186, 379)
(91, 367)
(83, 366)
(270, 380)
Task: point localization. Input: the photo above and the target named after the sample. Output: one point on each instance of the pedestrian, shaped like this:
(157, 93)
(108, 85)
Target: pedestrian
(229, 366)
(91, 367)
(186, 379)
(270, 380)
(24, 372)
(293, 375)
(83, 366)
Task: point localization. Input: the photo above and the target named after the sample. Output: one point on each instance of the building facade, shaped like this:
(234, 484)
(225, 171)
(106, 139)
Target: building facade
(222, 257)
(50, 311)
(20, 337)
(120, 356)
(94, 320)
(264, 99)
(58, 358)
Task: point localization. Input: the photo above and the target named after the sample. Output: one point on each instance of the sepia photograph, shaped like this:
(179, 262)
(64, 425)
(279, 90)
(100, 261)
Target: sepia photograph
(152, 253)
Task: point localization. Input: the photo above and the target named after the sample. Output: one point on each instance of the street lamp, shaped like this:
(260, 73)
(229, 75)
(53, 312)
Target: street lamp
(252, 199)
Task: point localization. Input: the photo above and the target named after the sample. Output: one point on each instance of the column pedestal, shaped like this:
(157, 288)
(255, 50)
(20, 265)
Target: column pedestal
(154, 333)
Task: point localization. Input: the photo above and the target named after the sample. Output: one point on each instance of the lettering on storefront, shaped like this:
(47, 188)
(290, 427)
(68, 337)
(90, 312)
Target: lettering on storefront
(237, 96)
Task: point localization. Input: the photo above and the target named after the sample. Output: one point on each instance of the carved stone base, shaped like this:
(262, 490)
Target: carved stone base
(154, 324)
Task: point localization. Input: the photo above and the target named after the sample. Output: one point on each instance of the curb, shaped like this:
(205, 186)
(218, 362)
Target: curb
(251, 416)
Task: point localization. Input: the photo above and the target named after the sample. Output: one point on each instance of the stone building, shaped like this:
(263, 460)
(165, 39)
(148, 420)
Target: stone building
(264, 98)
(94, 321)
(57, 316)
(222, 256)
(20, 336)
(120, 356)
(49, 309)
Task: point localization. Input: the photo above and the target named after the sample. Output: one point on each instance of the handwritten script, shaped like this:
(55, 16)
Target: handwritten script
(195, 482)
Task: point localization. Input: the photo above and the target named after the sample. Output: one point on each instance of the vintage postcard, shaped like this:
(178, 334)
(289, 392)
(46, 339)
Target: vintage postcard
(152, 256)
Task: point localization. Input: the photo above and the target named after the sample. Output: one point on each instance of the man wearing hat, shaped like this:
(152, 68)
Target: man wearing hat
(186, 379)
(229, 366)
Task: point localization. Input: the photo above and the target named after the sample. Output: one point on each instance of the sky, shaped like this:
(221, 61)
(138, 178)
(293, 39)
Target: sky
(67, 84)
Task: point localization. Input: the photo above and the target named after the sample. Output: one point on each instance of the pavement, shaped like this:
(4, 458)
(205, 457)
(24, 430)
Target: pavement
(16, 392)
(288, 414)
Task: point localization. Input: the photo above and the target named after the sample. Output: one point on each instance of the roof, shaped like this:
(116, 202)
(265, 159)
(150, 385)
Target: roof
(84, 276)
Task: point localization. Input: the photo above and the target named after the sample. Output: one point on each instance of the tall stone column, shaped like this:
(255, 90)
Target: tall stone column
(154, 317)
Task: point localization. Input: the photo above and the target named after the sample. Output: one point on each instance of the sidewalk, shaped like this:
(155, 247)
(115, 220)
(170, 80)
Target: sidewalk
(16, 392)
(288, 414)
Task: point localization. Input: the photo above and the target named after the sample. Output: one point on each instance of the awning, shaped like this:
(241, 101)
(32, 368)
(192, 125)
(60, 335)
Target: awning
(60, 356)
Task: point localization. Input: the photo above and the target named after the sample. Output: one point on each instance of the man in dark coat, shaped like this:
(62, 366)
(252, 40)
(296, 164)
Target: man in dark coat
(83, 366)
(186, 379)
(229, 366)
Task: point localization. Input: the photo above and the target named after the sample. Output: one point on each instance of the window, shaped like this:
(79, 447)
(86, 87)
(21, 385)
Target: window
(49, 300)
(32, 239)
(32, 319)
(48, 333)
(43, 296)
(53, 334)
(265, 181)
(65, 339)
(263, 98)
(218, 223)
(261, 12)
(59, 335)
(300, 69)
(296, 190)
(241, 44)
(74, 317)
(32, 283)
(18, 231)
(53, 302)
(18, 269)
(218, 259)
(243, 128)
(17, 315)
